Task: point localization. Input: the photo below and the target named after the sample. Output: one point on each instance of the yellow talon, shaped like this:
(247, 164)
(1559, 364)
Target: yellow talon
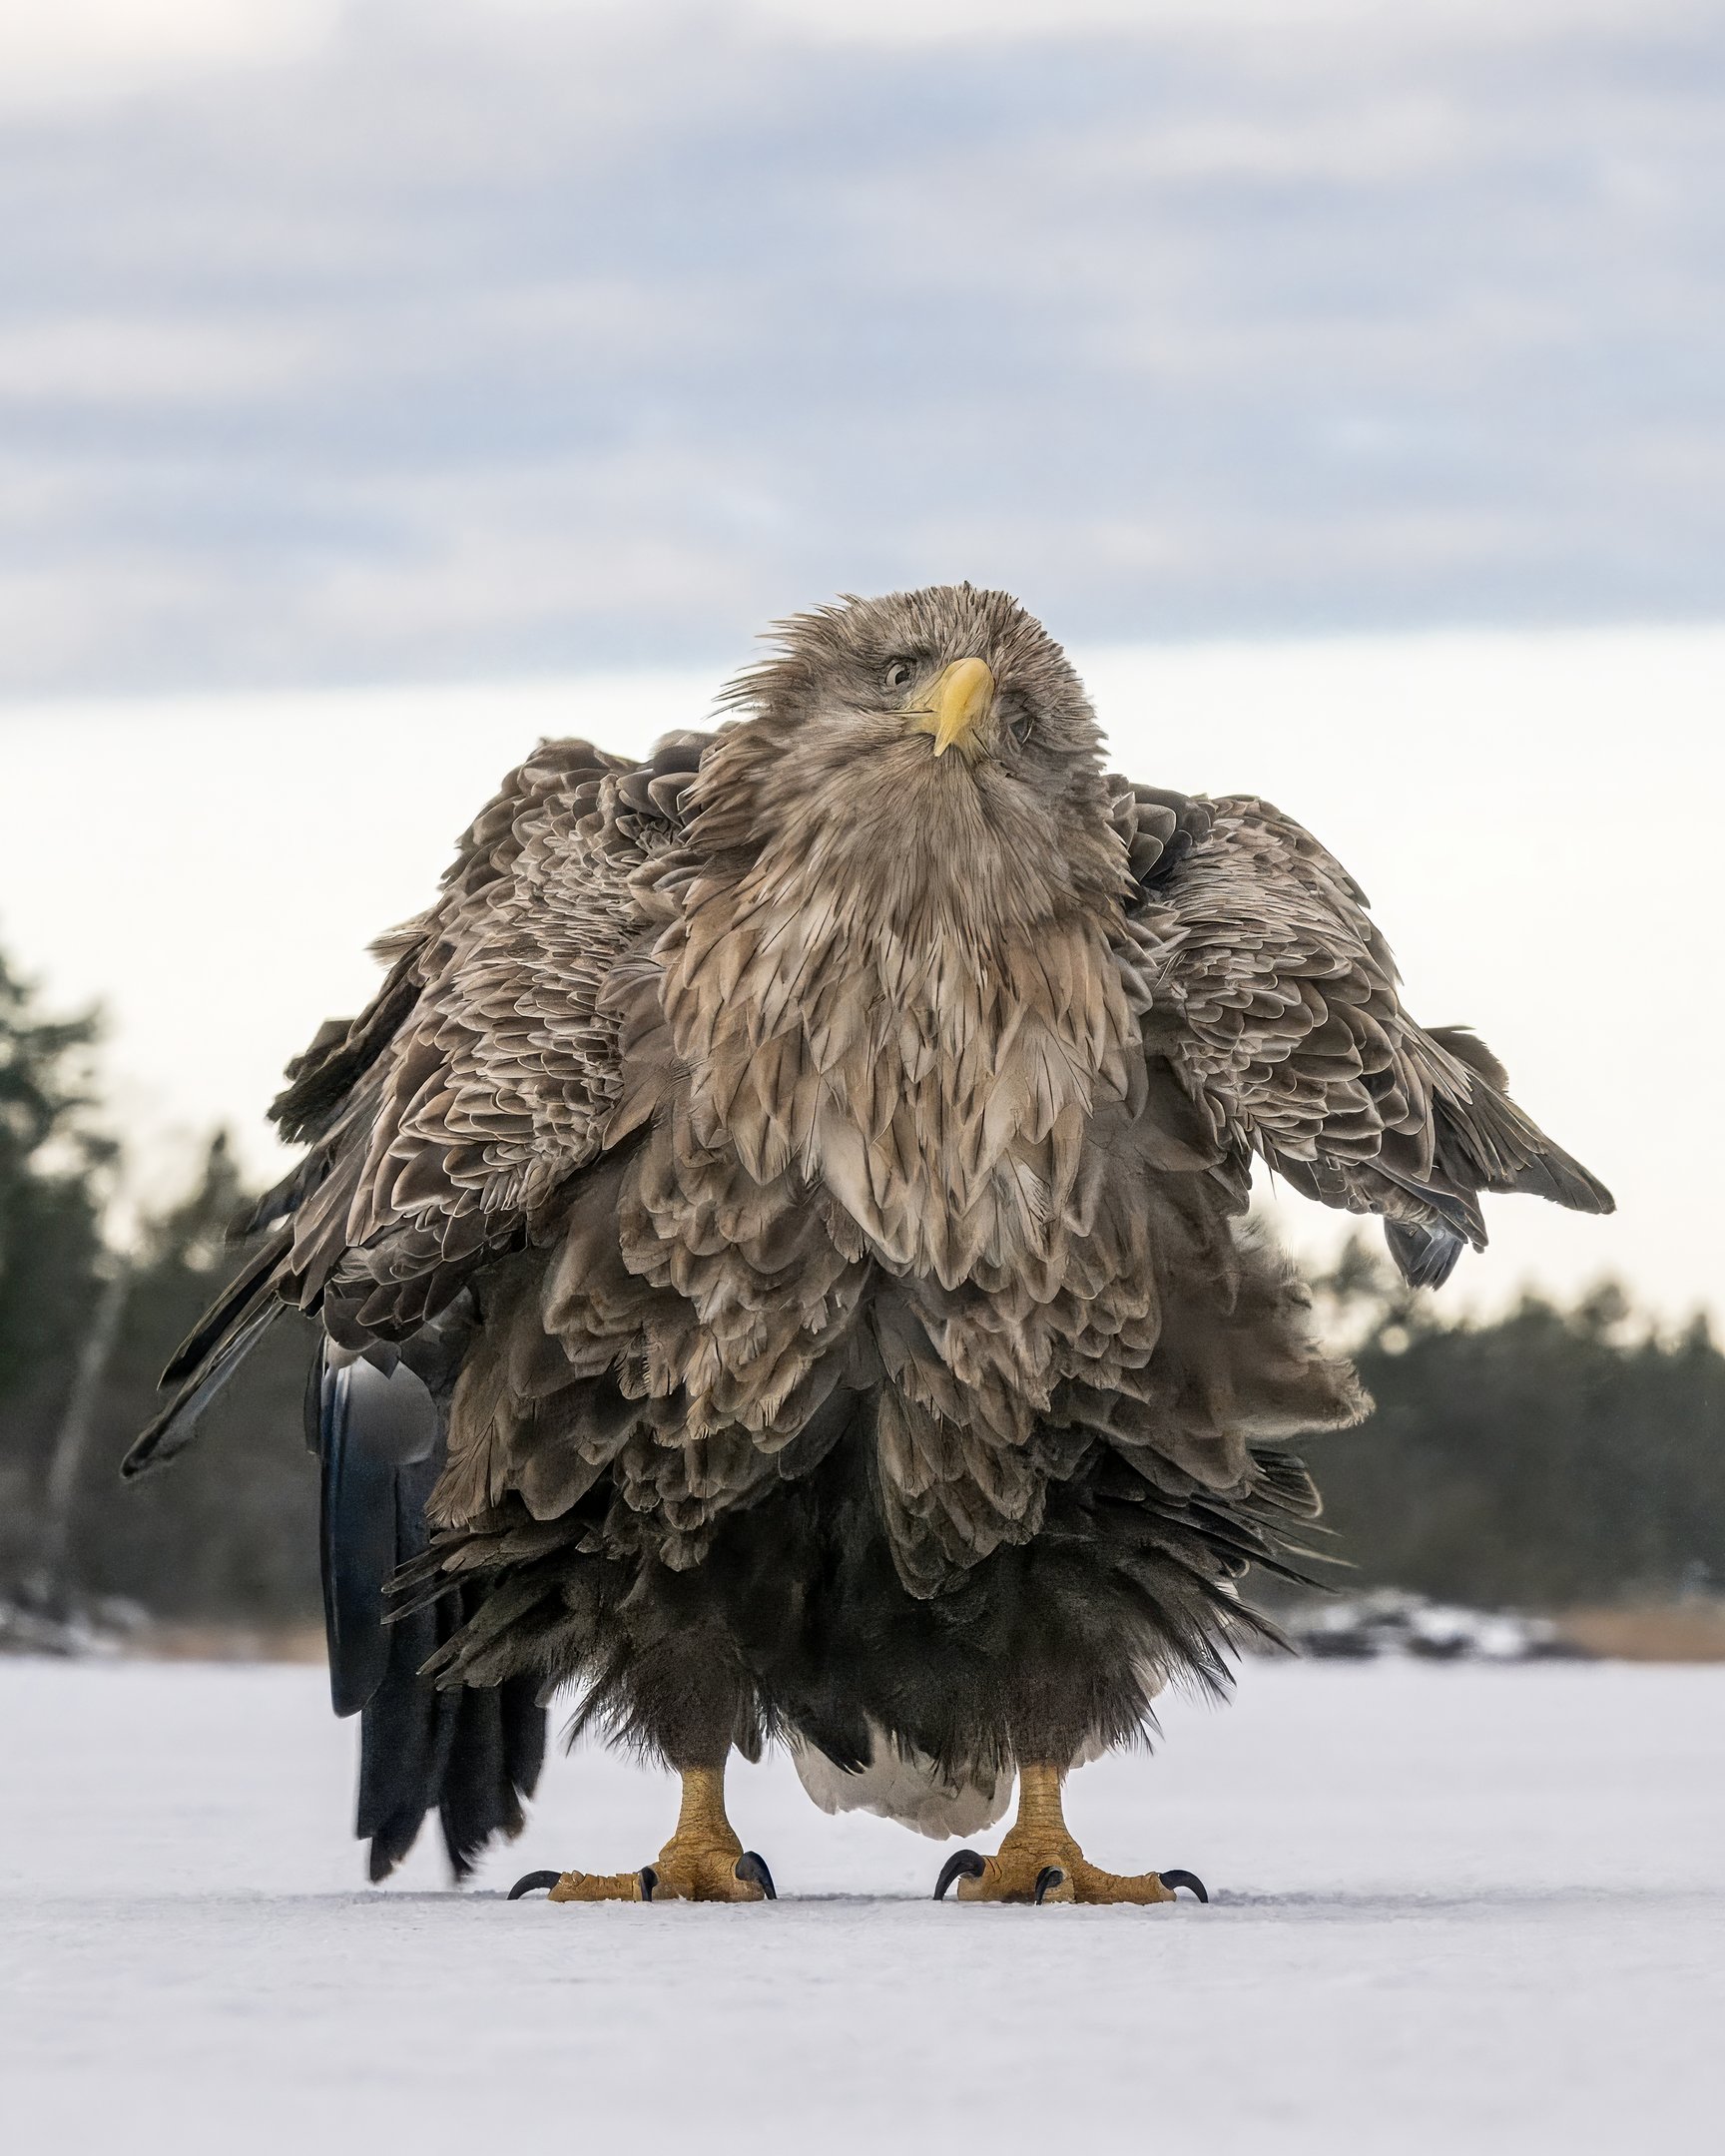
(1040, 1862)
(703, 1861)
(601, 1886)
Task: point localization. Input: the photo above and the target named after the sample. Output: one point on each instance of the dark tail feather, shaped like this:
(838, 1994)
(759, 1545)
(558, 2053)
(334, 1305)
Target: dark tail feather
(493, 1764)
(176, 1426)
(407, 1739)
(470, 1755)
(377, 1436)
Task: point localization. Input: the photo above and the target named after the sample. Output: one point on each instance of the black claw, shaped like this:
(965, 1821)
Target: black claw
(649, 1879)
(531, 1882)
(1047, 1879)
(754, 1869)
(1172, 1879)
(963, 1864)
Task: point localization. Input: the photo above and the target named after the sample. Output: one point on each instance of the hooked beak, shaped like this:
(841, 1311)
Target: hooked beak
(954, 707)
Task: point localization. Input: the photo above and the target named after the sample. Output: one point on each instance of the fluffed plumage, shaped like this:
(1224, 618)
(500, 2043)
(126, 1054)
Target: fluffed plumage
(805, 1173)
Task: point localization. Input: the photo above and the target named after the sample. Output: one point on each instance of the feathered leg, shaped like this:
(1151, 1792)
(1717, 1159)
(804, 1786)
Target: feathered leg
(703, 1861)
(1040, 1862)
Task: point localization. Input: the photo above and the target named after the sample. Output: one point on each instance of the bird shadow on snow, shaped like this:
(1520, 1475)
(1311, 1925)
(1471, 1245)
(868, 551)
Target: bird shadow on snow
(1318, 1905)
(1312, 1906)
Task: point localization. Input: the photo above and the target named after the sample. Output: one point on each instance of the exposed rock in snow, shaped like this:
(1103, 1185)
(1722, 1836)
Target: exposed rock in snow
(1390, 1621)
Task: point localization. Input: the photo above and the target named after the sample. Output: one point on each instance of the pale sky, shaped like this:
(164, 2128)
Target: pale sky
(401, 339)
(1533, 816)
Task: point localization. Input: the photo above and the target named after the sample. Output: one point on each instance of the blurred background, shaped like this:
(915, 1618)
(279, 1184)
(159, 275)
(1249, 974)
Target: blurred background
(384, 383)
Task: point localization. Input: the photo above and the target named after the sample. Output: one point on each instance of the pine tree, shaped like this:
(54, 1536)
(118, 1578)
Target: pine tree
(229, 1533)
(1547, 1457)
(53, 1164)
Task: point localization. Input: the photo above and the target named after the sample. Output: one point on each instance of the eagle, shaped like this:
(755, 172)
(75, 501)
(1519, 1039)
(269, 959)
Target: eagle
(779, 1242)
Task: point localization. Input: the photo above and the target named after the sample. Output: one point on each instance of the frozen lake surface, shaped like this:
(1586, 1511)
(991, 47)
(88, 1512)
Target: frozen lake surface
(1456, 1908)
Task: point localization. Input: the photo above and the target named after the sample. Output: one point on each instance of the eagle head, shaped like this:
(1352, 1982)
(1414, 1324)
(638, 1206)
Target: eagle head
(929, 763)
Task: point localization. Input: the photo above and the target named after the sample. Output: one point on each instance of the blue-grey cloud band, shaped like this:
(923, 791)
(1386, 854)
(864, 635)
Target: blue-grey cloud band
(469, 341)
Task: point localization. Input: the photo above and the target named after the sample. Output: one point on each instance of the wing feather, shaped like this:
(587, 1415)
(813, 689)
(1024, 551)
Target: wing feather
(498, 1081)
(446, 1117)
(1260, 974)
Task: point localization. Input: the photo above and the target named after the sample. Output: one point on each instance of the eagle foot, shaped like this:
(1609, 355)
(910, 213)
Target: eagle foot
(721, 1870)
(703, 1861)
(1040, 1862)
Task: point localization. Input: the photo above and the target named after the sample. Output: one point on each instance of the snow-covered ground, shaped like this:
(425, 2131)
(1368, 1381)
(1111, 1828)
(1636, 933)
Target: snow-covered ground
(1456, 1908)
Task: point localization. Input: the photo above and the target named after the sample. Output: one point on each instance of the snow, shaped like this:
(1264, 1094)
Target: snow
(1456, 1907)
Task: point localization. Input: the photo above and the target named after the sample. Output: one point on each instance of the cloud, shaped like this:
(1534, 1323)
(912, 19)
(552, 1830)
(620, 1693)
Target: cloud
(93, 51)
(398, 339)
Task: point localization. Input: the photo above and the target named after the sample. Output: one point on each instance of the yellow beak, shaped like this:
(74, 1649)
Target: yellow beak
(956, 705)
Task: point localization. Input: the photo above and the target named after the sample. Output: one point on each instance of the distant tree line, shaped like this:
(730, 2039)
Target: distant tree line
(229, 1534)
(1544, 1458)
(1551, 1456)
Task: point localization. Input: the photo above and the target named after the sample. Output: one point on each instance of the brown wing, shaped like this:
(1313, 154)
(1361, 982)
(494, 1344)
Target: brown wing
(494, 1087)
(446, 1118)
(1264, 980)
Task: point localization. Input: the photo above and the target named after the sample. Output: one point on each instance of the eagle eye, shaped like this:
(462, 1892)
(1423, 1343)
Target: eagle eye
(898, 674)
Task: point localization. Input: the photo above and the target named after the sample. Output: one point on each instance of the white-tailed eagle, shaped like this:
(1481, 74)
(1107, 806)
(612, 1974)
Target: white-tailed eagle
(779, 1238)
